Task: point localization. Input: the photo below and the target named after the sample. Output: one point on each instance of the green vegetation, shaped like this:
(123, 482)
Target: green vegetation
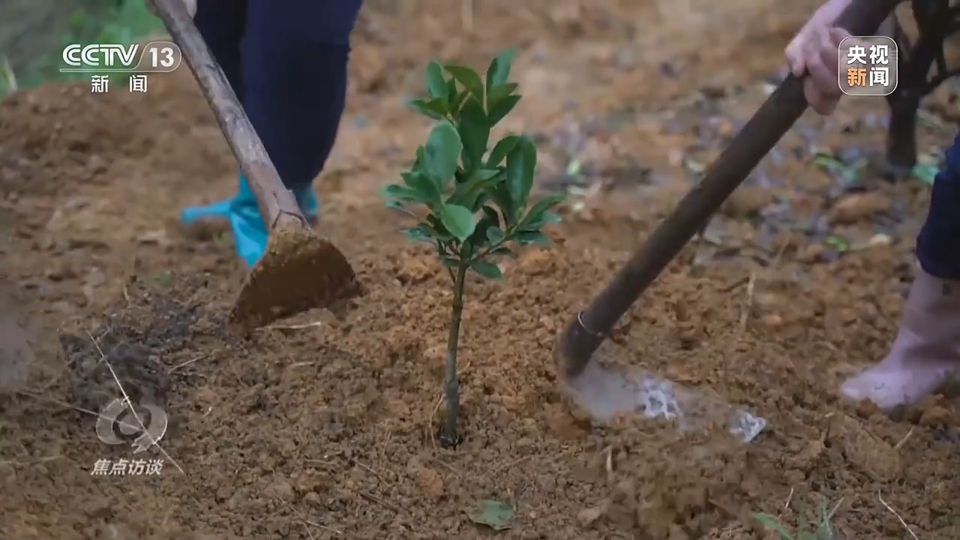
(822, 529)
(473, 196)
(123, 21)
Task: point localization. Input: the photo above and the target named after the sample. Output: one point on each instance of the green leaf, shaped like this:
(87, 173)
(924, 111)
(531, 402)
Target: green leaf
(770, 523)
(449, 262)
(468, 193)
(503, 250)
(532, 238)
(459, 220)
(495, 235)
(469, 79)
(421, 184)
(466, 250)
(486, 269)
(397, 205)
(475, 134)
(439, 230)
(838, 243)
(442, 154)
(550, 218)
(802, 518)
(538, 216)
(494, 514)
(827, 161)
(848, 173)
(925, 173)
(501, 150)
(461, 98)
(501, 196)
(825, 529)
(421, 157)
(435, 108)
(497, 93)
(521, 164)
(419, 233)
(480, 239)
(503, 108)
(492, 214)
(402, 193)
(453, 96)
(485, 194)
(499, 70)
(436, 83)
(456, 97)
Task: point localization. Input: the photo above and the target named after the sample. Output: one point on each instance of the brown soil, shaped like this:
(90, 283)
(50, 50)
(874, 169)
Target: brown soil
(325, 428)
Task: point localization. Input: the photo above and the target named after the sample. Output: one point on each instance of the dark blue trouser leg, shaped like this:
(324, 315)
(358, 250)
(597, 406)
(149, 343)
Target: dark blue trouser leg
(222, 24)
(938, 244)
(295, 80)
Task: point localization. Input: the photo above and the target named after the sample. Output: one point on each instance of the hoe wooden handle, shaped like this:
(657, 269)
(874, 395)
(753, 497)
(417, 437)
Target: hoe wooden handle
(776, 116)
(273, 198)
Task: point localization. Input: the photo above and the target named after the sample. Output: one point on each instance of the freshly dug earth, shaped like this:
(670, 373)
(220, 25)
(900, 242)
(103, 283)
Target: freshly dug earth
(325, 427)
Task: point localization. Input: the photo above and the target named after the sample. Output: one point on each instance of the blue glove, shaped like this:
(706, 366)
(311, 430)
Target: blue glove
(249, 231)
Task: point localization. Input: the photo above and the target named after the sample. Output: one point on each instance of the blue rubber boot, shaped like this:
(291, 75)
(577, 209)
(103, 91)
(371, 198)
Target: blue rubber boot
(249, 231)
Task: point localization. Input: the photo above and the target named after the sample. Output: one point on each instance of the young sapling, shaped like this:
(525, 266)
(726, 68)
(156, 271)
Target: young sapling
(473, 200)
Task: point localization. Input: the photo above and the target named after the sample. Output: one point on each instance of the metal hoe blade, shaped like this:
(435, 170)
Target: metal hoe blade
(298, 272)
(607, 392)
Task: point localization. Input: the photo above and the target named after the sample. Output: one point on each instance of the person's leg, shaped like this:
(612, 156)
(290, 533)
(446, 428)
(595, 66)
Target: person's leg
(295, 81)
(938, 244)
(926, 351)
(222, 25)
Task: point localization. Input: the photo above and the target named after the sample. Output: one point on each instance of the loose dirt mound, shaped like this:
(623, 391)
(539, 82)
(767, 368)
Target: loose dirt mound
(325, 428)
